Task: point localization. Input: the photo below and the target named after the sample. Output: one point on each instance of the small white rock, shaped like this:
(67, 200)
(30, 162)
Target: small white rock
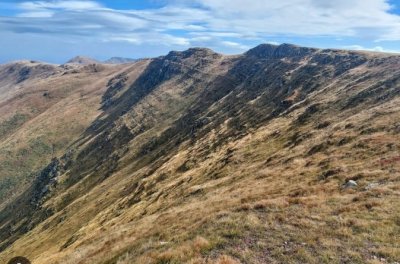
(351, 184)
(372, 186)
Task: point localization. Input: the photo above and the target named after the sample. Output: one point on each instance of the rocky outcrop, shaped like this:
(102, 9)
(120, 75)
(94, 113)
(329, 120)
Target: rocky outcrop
(31, 211)
(270, 51)
(114, 86)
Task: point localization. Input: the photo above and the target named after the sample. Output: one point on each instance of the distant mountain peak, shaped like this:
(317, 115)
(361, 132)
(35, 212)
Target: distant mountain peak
(120, 60)
(82, 60)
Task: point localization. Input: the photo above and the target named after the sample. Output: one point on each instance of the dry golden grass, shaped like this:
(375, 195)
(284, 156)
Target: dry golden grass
(51, 122)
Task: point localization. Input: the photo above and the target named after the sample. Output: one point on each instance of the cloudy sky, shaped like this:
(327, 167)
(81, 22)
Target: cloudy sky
(56, 30)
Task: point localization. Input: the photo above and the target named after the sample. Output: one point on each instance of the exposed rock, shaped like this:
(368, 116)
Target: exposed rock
(350, 184)
(371, 186)
(269, 51)
(113, 87)
(44, 181)
(24, 73)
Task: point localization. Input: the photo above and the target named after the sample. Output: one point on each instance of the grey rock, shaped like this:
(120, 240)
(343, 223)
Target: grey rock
(372, 185)
(350, 184)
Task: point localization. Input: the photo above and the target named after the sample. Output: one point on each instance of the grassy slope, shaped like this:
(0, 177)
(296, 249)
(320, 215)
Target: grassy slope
(248, 184)
(44, 113)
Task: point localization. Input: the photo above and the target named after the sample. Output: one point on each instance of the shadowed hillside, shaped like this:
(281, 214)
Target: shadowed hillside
(43, 109)
(283, 154)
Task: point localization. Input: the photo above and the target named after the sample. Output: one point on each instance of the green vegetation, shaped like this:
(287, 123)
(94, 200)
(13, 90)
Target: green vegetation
(9, 126)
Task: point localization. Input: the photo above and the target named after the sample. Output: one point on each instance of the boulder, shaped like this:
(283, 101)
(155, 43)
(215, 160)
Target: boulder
(350, 184)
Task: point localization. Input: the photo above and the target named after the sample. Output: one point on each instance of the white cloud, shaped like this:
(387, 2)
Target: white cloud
(119, 21)
(148, 38)
(369, 19)
(364, 18)
(36, 14)
(376, 48)
(272, 42)
(60, 4)
(232, 44)
(221, 24)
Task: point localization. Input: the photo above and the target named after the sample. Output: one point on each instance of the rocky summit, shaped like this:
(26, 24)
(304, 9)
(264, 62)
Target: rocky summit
(282, 154)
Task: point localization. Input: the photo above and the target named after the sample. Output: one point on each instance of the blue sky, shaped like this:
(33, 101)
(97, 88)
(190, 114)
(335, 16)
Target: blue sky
(56, 30)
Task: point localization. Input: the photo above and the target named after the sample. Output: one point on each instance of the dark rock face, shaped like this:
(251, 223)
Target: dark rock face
(380, 92)
(113, 87)
(23, 74)
(341, 61)
(195, 53)
(31, 210)
(47, 178)
(44, 180)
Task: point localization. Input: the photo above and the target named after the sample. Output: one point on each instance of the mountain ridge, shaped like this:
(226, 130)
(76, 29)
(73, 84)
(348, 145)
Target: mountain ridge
(234, 147)
(120, 60)
(263, 46)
